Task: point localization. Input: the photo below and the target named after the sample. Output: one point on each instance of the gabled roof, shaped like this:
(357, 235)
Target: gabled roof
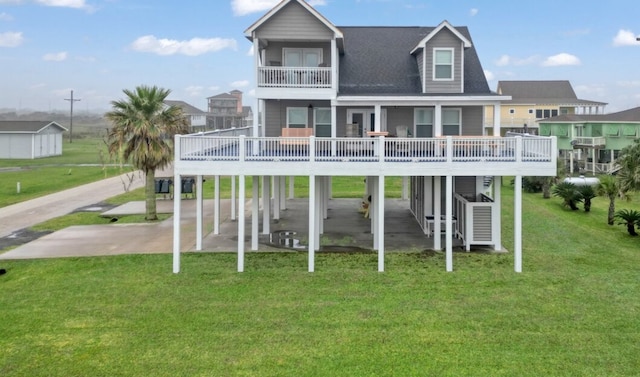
(434, 32)
(625, 116)
(378, 62)
(249, 32)
(559, 92)
(223, 96)
(186, 108)
(27, 126)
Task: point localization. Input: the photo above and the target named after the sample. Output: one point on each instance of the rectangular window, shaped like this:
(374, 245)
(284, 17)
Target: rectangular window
(322, 121)
(297, 117)
(424, 122)
(547, 113)
(450, 122)
(443, 64)
(530, 111)
(554, 113)
(539, 113)
(302, 57)
(512, 111)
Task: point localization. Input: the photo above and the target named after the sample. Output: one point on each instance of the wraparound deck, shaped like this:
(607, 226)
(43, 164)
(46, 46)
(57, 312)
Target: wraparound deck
(197, 154)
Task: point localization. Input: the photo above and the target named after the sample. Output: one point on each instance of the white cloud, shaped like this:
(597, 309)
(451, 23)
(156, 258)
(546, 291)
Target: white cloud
(11, 39)
(244, 7)
(55, 56)
(506, 60)
(473, 11)
(561, 59)
(250, 52)
(78, 4)
(489, 75)
(194, 90)
(629, 84)
(5, 17)
(214, 88)
(192, 47)
(240, 84)
(625, 38)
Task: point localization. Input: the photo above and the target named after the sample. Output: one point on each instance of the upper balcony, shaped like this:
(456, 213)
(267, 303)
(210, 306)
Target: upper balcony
(295, 77)
(589, 142)
(463, 156)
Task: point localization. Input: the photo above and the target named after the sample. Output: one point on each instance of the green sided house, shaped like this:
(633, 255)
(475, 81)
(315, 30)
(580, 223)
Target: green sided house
(591, 143)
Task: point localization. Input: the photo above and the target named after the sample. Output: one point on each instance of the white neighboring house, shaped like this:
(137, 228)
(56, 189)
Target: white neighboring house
(30, 139)
(197, 117)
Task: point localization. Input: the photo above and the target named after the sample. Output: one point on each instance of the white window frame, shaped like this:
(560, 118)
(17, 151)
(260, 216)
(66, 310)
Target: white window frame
(315, 119)
(459, 111)
(416, 123)
(306, 118)
(451, 64)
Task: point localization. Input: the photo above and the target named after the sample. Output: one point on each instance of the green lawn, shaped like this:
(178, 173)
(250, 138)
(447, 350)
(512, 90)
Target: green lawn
(83, 161)
(572, 312)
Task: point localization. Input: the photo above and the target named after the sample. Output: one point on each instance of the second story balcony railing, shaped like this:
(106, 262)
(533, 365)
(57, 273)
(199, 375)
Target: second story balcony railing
(294, 77)
(589, 141)
(344, 150)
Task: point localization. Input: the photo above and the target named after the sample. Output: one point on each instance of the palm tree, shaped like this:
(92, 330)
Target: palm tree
(143, 130)
(629, 161)
(629, 217)
(609, 187)
(569, 194)
(587, 192)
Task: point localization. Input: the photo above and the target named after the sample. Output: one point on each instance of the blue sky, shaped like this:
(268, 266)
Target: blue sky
(197, 48)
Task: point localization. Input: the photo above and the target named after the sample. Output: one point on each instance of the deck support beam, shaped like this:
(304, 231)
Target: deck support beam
(380, 221)
(448, 222)
(312, 222)
(241, 220)
(255, 211)
(177, 194)
(199, 212)
(517, 226)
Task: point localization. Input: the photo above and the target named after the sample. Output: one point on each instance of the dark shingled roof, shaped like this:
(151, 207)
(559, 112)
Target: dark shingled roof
(542, 92)
(188, 109)
(26, 126)
(378, 60)
(626, 116)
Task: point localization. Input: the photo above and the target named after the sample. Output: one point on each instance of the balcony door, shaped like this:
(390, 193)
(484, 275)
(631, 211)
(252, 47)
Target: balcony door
(302, 57)
(365, 119)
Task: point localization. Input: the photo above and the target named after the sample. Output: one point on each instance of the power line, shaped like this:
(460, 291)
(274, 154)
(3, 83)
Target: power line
(71, 100)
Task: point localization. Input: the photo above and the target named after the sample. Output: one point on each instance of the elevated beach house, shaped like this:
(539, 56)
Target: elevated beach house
(376, 102)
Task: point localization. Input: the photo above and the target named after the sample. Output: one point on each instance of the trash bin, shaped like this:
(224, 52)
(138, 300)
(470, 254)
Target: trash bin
(163, 186)
(188, 185)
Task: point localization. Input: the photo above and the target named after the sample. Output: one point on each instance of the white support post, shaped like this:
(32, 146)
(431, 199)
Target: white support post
(283, 192)
(312, 222)
(373, 210)
(291, 186)
(276, 197)
(177, 214)
(255, 212)
(378, 118)
(241, 220)
(233, 198)
(517, 226)
(199, 212)
(380, 220)
(437, 212)
(405, 188)
(497, 205)
(216, 199)
(448, 222)
(496, 119)
(266, 204)
(318, 212)
(437, 121)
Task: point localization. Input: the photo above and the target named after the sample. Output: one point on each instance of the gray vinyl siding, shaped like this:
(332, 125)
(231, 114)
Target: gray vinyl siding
(274, 52)
(294, 22)
(401, 116)
(472, 120)
(420, 62)
(276, 114)
(444, 39)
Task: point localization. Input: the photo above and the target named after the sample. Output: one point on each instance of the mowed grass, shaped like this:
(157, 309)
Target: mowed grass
(572, 312)
(83, 161)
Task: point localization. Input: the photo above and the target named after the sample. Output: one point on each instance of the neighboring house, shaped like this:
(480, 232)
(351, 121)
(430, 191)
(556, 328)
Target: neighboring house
(376, 102)
(226, 111)
(534, 100)
(591, 143)
(197, 117)
(30, 139)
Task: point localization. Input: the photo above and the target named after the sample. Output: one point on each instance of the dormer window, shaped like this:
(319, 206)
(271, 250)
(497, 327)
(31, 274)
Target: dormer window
(443, 64)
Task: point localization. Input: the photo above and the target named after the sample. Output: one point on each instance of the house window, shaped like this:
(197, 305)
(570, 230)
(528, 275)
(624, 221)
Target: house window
(297, 117)
(450, 122)
(512, 111)
(530, 111)
(302, 57)
(443, 64)
(424, 122)
(322, 121)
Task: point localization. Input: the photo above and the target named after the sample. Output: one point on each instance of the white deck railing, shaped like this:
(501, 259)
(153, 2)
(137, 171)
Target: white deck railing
(589, 141)
(294, 77)
(312, 149)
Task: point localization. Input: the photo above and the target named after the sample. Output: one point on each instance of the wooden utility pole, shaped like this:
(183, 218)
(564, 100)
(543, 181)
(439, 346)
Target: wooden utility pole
(71, 100)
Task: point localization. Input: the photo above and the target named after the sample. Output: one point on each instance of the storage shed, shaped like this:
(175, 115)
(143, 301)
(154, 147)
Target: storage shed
(30, 139)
